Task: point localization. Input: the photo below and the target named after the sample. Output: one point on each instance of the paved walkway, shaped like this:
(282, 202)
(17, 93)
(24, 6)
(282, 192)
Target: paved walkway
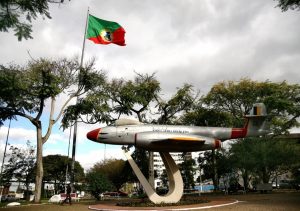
(217, 202)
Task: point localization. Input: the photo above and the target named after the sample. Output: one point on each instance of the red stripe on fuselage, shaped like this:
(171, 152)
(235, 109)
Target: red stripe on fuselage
(239, 132)
(217, 144)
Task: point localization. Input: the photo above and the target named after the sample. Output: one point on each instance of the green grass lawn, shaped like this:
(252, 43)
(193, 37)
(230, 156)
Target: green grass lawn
(249, 202)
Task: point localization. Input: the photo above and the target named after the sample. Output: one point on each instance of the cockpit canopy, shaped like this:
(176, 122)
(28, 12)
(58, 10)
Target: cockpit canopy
(121, 122)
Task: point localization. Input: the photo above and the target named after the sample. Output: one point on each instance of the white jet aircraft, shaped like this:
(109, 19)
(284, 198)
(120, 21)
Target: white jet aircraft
(179, 138)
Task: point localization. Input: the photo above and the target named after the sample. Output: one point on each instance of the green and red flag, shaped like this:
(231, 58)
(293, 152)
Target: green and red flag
(105, 32)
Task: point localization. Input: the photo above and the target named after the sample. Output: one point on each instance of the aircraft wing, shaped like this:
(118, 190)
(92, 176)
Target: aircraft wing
(178, 138)
(167, 141)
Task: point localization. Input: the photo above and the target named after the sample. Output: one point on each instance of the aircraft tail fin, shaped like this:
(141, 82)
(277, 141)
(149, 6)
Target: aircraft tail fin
(257, 120)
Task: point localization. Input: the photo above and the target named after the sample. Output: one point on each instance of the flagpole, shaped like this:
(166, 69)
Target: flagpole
(75, 124)
(85, 29)
(4, 155)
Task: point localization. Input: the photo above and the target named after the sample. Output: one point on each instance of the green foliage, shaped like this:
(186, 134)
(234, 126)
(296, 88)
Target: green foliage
(112, 99)
(201, 116)
(182, 202)
(263, 157)
(140, 156)
(133, 96)
(21, 165)
(281, 99)
(182, 100)
(94, 107)
(23, 90)
(288, 4)
(187, 170)
(214, 165)
(55, 168)
(18, 15)
(97, 183)
(112, 169)
(164, 178)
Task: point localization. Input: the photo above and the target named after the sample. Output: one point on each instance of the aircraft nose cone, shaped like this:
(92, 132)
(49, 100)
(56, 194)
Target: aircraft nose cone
(93, 135)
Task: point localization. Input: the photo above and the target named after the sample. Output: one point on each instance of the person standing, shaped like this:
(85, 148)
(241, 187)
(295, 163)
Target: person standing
(68, 196)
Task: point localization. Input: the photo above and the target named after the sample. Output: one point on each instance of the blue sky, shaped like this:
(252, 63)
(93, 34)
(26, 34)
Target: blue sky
(197, 42)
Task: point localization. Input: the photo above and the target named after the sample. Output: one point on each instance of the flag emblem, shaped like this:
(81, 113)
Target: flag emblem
(105, 32)
(106, 35)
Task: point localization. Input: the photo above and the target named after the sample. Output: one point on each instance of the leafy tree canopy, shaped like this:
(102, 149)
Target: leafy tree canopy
(18, 15)
(134, 96)
(182, 100)
(20, 165)
(55, 168)
(288, 4)
(212, 161)
(187, 170)
(98, 183)
(264, 157)
(25, 89)
(237, 98)
(113, 169)
(113, 99)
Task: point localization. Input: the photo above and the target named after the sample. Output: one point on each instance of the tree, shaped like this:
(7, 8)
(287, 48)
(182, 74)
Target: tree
(214, 164)
(55, 169)
(113, 170)
(118, 97)
(164, 178)
(187, 170)
(203, 116)
(263, 158)
(242, 159)
(97, 183)
(18, 15)
(288, 4)
(237, 98)
(182, 100)
(142, 160)
(25, 90)
(134, 96)
(21, 166)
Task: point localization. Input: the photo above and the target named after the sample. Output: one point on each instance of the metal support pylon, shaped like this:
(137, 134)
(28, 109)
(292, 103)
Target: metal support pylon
(174, 177)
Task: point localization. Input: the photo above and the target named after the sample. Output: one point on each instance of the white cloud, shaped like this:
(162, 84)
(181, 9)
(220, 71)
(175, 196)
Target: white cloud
(94, 156)
(17, 135)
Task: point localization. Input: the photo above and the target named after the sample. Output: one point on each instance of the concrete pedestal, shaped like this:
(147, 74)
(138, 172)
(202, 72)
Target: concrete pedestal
(174, 176)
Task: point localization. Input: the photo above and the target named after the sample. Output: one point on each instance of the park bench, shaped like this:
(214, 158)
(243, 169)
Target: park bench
(264, 187)
(74, 197)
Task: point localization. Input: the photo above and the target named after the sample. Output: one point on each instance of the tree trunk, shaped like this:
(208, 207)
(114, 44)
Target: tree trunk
(215, 171)
(245, 179)
(151, 170)
(265, 175)
(39, 164)
(27, 195)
